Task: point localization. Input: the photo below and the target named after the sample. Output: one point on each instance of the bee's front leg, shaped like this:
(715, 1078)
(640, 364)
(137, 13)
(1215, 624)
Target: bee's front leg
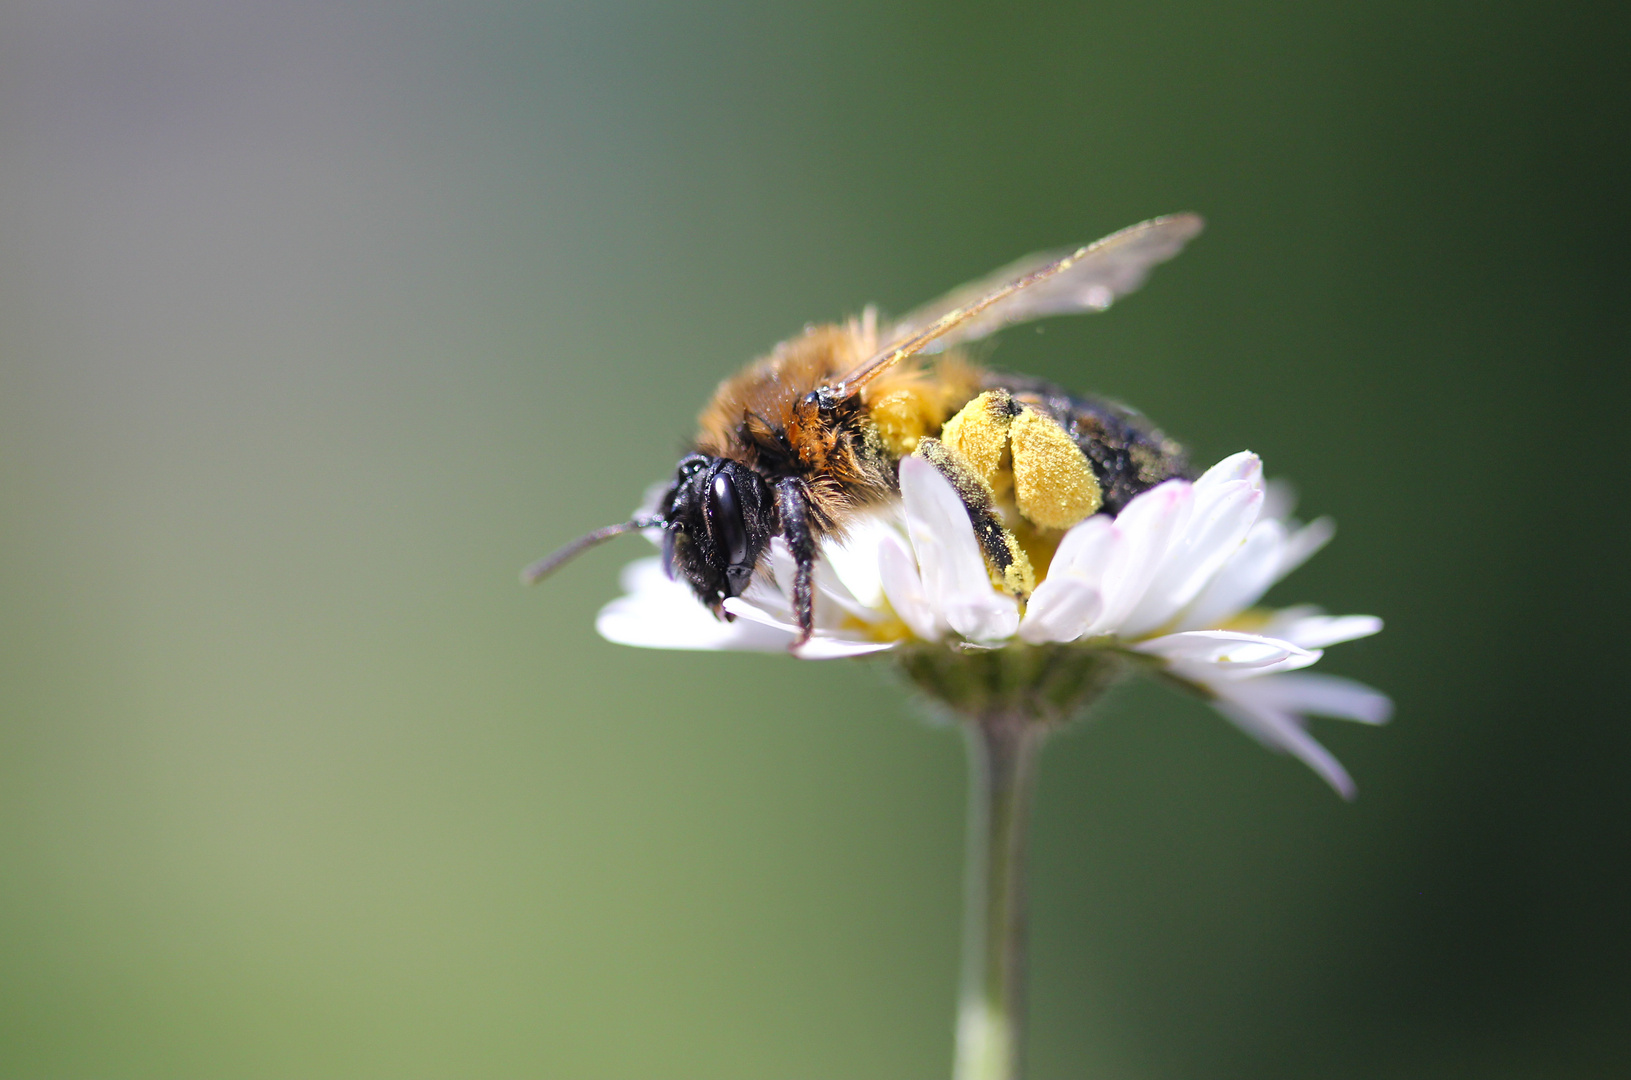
(1010, 566)
(793, 508)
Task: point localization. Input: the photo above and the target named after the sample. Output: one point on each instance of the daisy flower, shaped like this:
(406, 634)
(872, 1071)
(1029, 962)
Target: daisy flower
(1169, 585)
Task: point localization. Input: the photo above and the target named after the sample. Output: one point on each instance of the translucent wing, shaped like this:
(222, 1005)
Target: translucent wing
(1085, 279)
(1100, 274)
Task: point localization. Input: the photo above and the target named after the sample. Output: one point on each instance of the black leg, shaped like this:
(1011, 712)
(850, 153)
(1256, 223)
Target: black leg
(794, 510)
(1011, 566)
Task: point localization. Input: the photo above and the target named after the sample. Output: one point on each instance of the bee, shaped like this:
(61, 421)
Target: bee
(804, 439)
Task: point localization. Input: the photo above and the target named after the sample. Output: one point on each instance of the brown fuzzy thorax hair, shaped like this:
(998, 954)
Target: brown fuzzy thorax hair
(767, 417)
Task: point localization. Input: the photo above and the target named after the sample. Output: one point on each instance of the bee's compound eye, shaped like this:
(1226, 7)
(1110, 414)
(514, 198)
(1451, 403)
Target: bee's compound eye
(725, 512)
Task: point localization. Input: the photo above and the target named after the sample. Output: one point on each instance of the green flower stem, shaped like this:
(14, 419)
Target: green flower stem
(1002, 753)
(1007, 700)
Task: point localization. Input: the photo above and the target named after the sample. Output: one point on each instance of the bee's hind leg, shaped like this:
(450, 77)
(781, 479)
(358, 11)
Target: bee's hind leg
(1010, 566)
(794, 510)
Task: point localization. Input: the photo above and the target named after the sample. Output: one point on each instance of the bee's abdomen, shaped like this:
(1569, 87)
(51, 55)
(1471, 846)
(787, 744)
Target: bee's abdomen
(1128, 454)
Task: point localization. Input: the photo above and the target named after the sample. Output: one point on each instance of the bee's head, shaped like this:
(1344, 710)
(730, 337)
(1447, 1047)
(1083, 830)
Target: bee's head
(718, 518)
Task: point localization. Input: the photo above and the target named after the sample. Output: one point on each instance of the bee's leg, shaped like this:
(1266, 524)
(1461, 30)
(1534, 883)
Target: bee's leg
(794, 510)
(1011, 567)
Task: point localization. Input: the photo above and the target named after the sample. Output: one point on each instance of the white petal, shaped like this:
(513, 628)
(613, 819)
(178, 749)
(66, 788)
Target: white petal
(1320, 631)
(1216, 674)
(1270, 708)
(1087, 550)
(642, 575)
(822, 646)
(1216, 530)
(1222, 514)
(745, 609)
(1059, 610)
(1317, 695)
(1241, 581)
(765, 592)
(987, 618)
(935, 518)
(1242, 466)
(1145, 528)
(772, 589)
(831, 592)
(825, 648)
(855, 559)
(1279, 731)
(904, 588)
(658, 613)
(954, 574)
(1224, 650)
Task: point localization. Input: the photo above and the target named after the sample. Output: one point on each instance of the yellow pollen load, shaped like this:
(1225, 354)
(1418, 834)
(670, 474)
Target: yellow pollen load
(979, 434)
(1054, 486)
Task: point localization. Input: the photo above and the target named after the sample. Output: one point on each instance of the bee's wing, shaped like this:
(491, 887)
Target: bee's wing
(1084, 279)
(1098, 275)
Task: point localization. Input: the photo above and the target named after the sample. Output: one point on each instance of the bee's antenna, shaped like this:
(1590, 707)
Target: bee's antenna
(549, 563)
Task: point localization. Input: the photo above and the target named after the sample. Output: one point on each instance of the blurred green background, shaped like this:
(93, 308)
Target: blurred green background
(318, 321)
